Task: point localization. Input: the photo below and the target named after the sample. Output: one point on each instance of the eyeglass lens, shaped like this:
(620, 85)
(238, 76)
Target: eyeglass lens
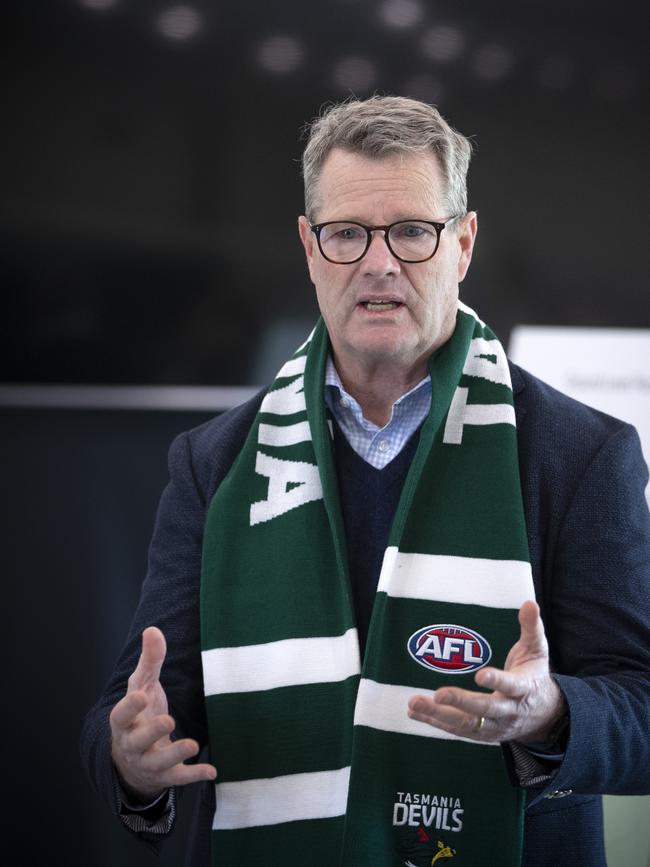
(345, 242)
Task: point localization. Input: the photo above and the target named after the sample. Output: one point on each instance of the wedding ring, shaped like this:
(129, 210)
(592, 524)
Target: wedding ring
(478, 725)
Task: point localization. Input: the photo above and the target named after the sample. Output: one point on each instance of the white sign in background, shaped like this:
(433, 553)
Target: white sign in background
(607, 368)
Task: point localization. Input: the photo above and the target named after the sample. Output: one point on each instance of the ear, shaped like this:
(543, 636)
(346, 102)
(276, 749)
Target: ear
(308, 242)
(466, 237)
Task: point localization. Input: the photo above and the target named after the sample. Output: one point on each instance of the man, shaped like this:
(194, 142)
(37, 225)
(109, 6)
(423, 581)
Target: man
(341, 581)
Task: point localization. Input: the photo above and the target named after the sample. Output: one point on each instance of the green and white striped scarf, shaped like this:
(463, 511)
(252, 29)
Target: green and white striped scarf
(318, 763)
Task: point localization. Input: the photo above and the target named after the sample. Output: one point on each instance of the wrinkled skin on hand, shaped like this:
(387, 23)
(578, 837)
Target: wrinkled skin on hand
(147, 760)
(525, 703)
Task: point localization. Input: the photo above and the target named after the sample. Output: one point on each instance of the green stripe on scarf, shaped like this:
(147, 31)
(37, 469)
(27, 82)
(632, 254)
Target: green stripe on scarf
(318, 761)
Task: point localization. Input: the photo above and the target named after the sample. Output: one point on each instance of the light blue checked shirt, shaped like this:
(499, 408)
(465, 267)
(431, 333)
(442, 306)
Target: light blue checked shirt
(376, 445)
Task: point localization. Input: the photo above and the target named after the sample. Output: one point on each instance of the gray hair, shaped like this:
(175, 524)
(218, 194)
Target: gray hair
(383, 126)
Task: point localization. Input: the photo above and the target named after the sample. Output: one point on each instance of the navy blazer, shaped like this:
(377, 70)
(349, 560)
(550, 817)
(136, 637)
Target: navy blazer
(583, 482)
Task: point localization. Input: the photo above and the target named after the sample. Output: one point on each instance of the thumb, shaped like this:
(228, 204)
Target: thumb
(533, 637)
(154, 650)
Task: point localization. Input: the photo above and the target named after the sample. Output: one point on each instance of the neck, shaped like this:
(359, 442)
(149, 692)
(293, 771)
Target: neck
(376, 388)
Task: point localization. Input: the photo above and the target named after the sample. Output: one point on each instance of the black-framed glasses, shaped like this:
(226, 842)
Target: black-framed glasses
(344, 242)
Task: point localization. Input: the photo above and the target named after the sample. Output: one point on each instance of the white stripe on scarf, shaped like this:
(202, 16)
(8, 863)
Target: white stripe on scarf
(442, 578)
(383, 706)
(274, 800)
(289, 662)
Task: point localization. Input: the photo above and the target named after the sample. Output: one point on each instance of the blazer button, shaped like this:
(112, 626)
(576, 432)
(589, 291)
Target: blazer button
(559, 793)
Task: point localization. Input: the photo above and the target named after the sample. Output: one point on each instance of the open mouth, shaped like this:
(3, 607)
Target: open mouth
(378, 306)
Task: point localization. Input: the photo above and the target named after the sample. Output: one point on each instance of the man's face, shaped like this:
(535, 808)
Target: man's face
(424, 295)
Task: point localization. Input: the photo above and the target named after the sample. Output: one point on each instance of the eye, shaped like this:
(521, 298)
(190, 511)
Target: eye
(342, 233)
(410, 231)
(349, 233)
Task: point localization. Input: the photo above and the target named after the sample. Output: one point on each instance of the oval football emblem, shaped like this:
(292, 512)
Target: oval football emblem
(449, 649)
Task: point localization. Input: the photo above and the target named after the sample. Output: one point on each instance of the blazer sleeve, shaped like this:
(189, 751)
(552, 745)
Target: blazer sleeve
(198, 461)
(598, 622)
(168, 600)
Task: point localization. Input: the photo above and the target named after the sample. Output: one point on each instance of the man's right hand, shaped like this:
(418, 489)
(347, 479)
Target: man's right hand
(147, 760)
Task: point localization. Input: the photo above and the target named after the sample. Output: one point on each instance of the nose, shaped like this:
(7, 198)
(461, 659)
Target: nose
(379, 261)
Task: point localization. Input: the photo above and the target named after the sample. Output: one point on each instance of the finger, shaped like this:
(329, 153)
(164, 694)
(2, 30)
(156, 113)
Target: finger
(144, 736)
(182, 775)
(449, 719)
(509, 683)
(532, 629)
(475, 704)
(154, 649)
(126, 710)
(426, 710)
(157, 760)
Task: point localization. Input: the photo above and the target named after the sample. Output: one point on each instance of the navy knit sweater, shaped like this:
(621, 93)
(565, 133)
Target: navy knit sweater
(369, 500)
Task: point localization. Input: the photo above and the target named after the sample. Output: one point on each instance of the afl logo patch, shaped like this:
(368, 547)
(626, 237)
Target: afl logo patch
(449, 649)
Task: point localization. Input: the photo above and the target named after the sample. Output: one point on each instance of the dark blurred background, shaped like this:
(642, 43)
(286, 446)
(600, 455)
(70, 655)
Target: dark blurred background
(150, 179)
(150, 188)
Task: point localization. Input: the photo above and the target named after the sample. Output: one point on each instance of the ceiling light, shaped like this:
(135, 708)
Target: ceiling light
(401, 13)
(99, 5)
(280, 54)
(179, 22)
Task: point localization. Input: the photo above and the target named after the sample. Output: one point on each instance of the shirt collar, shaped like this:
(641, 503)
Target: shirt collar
(335, 391)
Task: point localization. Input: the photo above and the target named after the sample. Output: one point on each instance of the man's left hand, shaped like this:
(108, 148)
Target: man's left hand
(524, 706)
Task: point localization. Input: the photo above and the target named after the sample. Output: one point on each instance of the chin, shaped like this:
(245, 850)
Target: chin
(388, 350)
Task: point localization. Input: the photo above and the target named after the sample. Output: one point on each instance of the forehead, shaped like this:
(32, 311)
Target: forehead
(380, 190)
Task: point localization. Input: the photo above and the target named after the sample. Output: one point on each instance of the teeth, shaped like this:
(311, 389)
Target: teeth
(380, 305)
